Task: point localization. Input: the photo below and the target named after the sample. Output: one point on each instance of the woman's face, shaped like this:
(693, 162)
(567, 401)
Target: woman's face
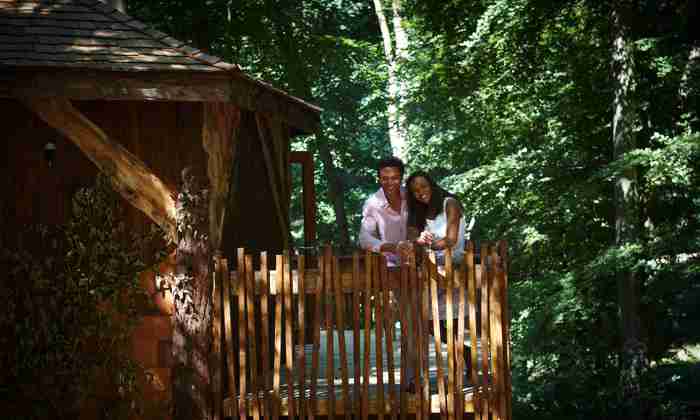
(420, 188)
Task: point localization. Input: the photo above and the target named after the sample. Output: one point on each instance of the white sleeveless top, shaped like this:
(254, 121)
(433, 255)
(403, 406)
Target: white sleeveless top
(438, 227)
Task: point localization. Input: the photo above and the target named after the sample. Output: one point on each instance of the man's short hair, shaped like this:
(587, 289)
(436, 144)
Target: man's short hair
(391, 162)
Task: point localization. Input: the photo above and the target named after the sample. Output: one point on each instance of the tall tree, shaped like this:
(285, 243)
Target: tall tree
(627, 205)
(396, 53)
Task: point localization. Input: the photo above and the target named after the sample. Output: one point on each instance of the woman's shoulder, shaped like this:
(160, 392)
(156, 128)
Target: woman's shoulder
(451, 201)
(451, 204)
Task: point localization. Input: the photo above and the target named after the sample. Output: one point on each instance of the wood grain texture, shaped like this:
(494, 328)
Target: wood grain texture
(489, 393)
(228, 334)
(252, 337)
(472, 303)
(379, 267)
(389, 322)
(301, 327)
(129, 176)
(242, 338)
(265, 332)
(449, 314)
(288, 299)
(356, 294)
(483, 287)
(216, 355)
(277, 368)
(221, 122)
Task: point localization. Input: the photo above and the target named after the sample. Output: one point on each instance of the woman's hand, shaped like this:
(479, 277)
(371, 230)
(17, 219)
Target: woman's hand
(425, 238)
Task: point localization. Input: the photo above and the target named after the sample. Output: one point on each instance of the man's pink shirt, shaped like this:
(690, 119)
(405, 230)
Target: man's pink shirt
(381, 223)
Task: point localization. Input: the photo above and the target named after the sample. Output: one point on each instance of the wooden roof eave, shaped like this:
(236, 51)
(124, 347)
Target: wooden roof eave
(166, 85)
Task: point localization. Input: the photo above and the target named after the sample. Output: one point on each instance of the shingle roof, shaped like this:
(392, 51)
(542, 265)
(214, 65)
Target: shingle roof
(93, 35)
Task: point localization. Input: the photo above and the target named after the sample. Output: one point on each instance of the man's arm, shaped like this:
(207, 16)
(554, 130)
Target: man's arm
(369, 239)
(369, 236)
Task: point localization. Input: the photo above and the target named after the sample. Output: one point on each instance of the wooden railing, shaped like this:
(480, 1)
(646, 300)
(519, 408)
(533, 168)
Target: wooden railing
(328, 335)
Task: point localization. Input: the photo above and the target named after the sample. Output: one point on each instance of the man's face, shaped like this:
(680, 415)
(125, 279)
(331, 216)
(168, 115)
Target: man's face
(390, 179)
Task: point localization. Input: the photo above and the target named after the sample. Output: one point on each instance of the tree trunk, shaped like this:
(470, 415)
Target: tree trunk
(192, 318)
(395, 90)
(627, 213)
(300, 85)
(335, 189)
(200, 26)
(220, 130)
(690, 68)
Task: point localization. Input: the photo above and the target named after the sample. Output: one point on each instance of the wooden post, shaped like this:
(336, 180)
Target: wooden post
(309, 194)
(217, 361)
(495, 336)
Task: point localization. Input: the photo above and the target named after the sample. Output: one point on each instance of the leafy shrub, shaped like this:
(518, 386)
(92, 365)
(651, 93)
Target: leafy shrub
(72, 298)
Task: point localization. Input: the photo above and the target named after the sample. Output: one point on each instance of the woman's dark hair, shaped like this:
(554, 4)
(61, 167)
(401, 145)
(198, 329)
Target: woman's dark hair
(390, 162)
(418, 211)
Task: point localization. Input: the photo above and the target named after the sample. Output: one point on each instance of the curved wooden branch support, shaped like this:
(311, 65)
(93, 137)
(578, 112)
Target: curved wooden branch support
(275, 184)
(129, 176)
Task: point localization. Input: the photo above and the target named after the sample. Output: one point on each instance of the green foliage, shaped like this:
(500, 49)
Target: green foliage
(517, 122)
(509, 105)
(73, 298)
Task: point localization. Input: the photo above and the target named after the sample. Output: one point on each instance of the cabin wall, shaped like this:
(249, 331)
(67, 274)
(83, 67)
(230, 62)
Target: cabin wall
(166, 136)
(251, 218)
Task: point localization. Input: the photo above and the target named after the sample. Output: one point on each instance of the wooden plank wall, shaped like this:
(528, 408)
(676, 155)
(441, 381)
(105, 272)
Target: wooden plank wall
(271, 374)
(166, 136)
(251, 216)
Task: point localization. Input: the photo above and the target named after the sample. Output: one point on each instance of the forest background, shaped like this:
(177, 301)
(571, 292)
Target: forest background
(568, 128)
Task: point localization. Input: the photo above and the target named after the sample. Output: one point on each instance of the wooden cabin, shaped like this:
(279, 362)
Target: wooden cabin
(86, 88)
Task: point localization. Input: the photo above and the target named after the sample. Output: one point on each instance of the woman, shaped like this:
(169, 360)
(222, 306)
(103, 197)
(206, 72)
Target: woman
(435, 217)
(436, 220)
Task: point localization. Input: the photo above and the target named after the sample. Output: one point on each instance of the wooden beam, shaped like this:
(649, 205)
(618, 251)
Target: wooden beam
(305, 159)
(129, 176)
(220, 126)
(273, 175)
(214, 86)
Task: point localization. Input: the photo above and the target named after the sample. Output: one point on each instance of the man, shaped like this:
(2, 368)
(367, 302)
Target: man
(383, 229)
(384, 214)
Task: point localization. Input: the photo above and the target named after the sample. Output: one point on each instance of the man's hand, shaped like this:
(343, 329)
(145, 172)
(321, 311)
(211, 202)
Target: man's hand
(388, 247)
(404, 248)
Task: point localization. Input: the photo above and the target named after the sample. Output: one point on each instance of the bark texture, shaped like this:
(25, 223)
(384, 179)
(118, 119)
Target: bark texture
(627, 213)
(192, 318)
(395, 50)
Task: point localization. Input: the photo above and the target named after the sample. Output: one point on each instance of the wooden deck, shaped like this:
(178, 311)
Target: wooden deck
(268, 314)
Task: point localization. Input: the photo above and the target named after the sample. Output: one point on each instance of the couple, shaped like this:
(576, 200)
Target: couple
(396, 219)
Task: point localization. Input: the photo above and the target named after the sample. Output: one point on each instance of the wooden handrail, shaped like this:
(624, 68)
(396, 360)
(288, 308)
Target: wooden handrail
(357, 307)
(312, 276)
